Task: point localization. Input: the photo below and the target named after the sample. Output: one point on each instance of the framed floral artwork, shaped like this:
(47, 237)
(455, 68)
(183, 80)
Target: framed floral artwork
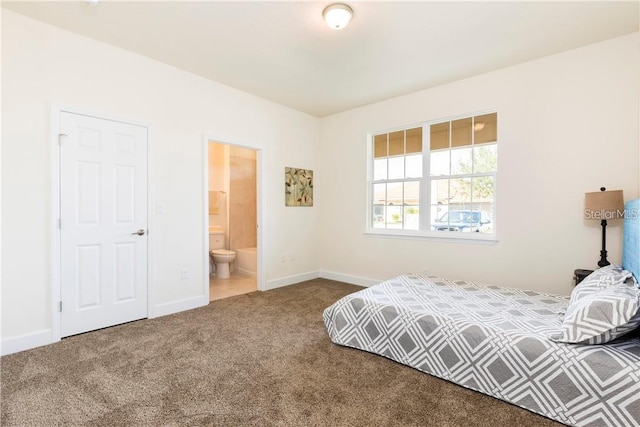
(298, 187)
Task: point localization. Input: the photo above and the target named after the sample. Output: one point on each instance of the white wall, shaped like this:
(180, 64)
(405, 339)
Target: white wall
(42, 65)
(567, 124)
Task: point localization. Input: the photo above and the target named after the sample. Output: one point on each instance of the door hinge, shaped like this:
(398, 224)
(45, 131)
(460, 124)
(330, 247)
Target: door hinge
(60, 136)
(60, 306)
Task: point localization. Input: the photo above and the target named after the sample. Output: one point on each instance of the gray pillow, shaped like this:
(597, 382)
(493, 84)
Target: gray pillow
(601, 315)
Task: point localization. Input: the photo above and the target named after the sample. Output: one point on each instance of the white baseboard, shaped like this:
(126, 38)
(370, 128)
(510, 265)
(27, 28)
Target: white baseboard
(331, 275)
(354, 280)
(25, 342)
(178, 306)
(291, 280)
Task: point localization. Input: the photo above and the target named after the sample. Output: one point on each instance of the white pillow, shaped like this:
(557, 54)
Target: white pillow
(601, 278)
(601, 315)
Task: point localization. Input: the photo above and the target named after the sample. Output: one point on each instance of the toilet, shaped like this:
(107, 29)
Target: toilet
(222, 258)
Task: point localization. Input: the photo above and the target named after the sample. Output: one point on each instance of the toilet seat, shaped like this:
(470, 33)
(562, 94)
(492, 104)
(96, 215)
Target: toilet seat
(222, 252)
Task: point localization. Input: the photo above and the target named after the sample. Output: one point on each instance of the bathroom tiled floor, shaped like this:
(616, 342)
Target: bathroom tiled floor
(237, 284)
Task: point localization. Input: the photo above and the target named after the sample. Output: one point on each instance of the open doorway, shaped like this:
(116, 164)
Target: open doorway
(232, 212)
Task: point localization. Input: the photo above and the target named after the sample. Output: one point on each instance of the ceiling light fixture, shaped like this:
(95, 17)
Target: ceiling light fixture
(337, 15)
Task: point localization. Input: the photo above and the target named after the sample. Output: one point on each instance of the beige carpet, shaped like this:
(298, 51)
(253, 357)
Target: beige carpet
(260, 359)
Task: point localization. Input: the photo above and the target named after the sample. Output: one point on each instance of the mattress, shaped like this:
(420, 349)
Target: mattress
(493, 340)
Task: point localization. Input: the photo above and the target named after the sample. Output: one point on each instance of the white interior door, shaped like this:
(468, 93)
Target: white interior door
(103, 229)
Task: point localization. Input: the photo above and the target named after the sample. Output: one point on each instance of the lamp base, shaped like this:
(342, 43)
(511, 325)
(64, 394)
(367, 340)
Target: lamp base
(603, 259)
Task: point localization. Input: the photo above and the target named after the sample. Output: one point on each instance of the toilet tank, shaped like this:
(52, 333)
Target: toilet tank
(216, 239)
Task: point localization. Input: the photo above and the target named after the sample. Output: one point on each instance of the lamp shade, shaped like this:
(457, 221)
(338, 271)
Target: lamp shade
(605, 205)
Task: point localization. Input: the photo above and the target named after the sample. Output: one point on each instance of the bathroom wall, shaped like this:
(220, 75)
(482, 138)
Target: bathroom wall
(242, 198)
(219, 181)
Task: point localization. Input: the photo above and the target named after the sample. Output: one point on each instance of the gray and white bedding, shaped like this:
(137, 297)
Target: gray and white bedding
(494, 340)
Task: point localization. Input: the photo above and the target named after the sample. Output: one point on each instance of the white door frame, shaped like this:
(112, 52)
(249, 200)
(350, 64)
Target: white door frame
(56, 289)
(260, 279)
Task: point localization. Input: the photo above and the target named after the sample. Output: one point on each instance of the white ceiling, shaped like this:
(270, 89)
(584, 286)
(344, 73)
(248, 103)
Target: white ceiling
(283, 51)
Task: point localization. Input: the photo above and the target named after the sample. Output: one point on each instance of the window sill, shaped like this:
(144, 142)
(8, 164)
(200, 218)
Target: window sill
(436, 236)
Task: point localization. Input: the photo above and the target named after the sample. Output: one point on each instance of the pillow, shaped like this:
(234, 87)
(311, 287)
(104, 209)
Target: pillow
(602, 315)
(601, 278)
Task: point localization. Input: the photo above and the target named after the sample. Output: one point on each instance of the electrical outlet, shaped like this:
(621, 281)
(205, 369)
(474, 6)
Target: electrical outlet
(292, 256)
(185, 273)
(425, 270)
(284, 258)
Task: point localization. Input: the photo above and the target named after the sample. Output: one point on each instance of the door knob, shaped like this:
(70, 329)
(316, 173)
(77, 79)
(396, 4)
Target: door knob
(140, 232)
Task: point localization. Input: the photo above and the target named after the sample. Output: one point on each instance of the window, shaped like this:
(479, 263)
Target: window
(435, 179)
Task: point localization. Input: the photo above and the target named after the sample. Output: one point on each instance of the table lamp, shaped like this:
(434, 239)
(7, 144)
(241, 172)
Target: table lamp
(603, 205)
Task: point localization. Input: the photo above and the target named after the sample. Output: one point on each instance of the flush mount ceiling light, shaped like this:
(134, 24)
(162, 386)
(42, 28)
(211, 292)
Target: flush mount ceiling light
(337, 15)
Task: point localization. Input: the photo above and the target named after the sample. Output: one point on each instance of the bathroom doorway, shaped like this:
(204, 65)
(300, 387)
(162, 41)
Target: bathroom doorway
(232, 241)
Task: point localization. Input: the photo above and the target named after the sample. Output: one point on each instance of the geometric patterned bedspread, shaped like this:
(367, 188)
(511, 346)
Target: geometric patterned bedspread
(493, 340)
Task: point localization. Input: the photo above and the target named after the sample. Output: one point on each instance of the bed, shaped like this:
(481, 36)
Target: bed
(516, 345)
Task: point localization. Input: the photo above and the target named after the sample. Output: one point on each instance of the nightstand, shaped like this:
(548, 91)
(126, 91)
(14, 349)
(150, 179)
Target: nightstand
(580, 274)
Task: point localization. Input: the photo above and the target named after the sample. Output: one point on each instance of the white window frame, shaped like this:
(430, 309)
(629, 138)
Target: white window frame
(425, 231)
